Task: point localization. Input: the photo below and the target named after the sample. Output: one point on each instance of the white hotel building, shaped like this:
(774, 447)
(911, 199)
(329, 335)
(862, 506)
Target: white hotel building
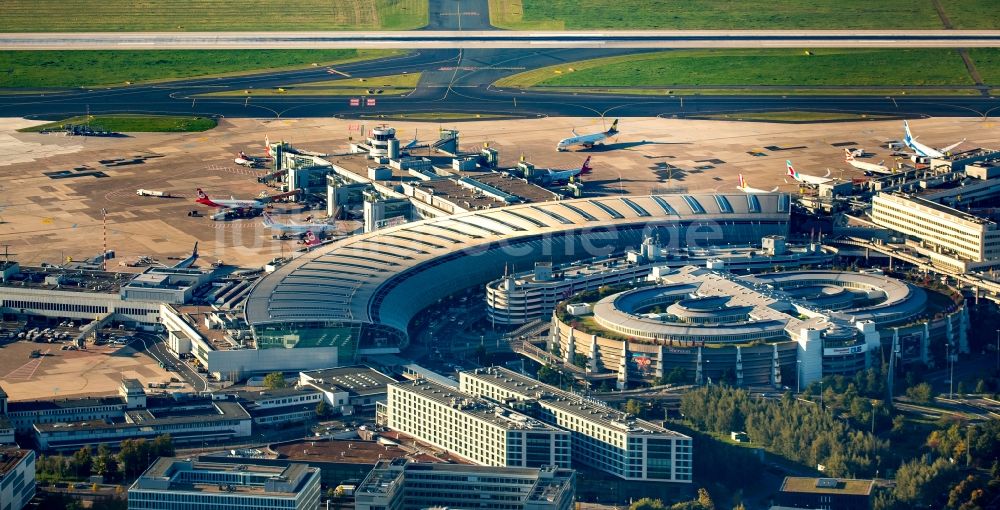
(603, 438)
(473, 428)
(950, 236)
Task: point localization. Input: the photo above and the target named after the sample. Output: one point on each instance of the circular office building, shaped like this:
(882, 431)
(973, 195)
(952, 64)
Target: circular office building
(762, 329)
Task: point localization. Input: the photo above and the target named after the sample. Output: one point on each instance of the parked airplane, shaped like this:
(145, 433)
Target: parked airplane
(249, 161)
(923, 150)
(747, 189)
(867, 167)
(232, 203)
(563, 176)
(296, 228)
(587, 141)
(806, 179)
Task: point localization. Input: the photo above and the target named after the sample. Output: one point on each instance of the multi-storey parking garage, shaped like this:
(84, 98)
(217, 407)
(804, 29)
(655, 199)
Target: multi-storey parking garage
(360, 293)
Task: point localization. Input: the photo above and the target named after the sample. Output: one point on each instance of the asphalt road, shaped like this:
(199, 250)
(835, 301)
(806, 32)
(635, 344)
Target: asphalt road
(156, 348)
(455, 81)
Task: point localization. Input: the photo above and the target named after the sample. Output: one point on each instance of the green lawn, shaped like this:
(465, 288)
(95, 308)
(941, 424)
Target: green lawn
(133, 123)
(918, 67)
(33, 69)
(210, 15)
(390, 85)
(739, 15)
(987, 62)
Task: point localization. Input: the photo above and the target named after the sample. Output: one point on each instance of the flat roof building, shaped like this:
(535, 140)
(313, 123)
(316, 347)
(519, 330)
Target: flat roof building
(17, 477)
(473, 428)
(826, 493)
(602, 437)
(969, 240)
(349, 389)
(402, 484)
(172, 483)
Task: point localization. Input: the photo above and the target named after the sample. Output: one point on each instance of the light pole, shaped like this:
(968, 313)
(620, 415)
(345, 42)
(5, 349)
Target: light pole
(951, 371)
(798, 376)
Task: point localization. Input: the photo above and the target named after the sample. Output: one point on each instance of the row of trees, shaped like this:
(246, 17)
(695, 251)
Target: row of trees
(129, 462)
(798, 431)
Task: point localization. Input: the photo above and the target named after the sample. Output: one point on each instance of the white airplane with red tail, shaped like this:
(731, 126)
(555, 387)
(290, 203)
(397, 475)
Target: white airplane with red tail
(232, 203)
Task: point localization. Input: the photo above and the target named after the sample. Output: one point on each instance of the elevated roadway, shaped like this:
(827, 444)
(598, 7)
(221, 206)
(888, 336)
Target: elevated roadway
(492, 39)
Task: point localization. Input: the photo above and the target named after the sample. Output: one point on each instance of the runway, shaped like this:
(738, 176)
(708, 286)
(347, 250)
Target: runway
(455, 81)
(474, 36)
(459, 79)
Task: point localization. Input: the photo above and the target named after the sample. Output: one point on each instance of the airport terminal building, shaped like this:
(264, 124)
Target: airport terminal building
(357, 296)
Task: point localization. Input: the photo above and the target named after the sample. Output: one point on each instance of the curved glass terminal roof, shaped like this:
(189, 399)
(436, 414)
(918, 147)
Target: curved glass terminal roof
(349, 280)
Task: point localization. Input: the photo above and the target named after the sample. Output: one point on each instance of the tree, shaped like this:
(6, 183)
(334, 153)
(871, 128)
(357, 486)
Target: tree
(981, 387)
(548, 375)
(274, 381)
(647, 504)
(323, 409)
(705, 499)
(105, 463)
(581, 360)
(920, 393)
(961, 388)
(633, 407)
(163, 446)
(81, 462)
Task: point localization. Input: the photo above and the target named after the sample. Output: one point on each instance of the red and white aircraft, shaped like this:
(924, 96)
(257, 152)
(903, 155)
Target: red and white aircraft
(232, 203)
(563, 176)
(243, 159)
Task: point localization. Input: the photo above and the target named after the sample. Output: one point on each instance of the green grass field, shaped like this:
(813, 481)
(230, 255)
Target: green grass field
(737, 15)
(133, 123)
(707, 68)
(34, 69)
(390, 85)
(987, 62)
(210, 15)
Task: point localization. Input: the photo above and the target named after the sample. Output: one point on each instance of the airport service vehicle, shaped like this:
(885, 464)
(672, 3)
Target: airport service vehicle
(152, 193)
(587, 141)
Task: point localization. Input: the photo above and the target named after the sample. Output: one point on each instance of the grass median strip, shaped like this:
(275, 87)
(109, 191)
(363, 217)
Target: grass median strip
(391, 85)
(741, 15)
(749, 68)
(132, 123)
(34, 69)
(210, 15)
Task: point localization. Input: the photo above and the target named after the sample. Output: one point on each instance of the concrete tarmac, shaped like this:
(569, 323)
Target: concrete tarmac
(459, 37)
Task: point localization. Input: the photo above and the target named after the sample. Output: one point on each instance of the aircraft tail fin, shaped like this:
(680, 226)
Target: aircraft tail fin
(614, 127)
(743, 183)
(267, 146)
(586, 169)
(849, 155)
(791, 170)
